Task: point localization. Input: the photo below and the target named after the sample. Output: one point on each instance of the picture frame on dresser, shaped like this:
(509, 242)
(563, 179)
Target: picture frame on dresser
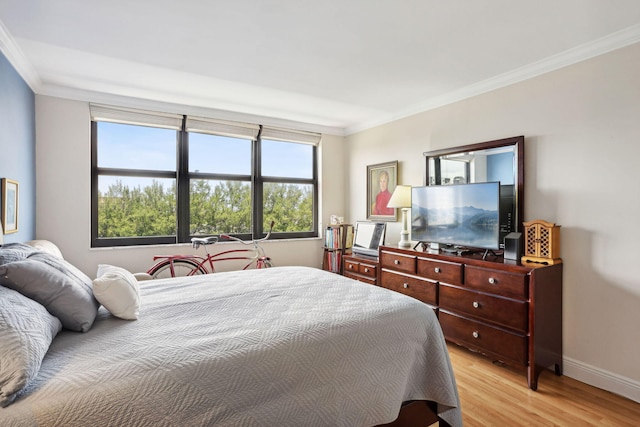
(9, 205)
(382, 179)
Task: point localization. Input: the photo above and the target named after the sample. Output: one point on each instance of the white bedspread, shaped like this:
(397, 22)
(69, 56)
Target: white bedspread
(288, 346)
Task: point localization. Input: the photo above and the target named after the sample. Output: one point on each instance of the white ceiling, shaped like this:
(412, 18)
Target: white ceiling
(334, 65)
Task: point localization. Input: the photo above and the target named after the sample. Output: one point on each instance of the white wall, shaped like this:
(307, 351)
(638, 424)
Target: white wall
(582, 153)
(63, 205)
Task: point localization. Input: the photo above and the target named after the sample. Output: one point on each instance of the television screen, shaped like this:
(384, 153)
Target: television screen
(464, 215)
(367, 236)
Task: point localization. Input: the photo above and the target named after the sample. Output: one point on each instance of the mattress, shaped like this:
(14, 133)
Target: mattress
(286, 346)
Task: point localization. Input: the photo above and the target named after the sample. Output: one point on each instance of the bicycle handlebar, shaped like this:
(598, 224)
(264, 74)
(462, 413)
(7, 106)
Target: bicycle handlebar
(249, 242)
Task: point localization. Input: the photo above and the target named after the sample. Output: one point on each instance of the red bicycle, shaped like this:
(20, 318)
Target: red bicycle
(190, 265)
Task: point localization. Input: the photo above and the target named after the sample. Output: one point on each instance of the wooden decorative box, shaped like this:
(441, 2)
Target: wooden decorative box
(541, 242)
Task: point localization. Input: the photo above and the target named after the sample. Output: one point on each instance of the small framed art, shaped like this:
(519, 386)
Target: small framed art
(9, 205)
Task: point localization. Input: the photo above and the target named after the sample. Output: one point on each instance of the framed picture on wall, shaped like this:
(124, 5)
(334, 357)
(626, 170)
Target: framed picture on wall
(9, 205)
(382, 179)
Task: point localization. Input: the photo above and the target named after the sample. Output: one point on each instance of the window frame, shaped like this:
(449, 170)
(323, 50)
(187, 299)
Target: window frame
(183, 177)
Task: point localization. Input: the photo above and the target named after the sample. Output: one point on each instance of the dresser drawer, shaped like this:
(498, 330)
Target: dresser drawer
(505, 345)
(496, 282)
(398, 262)
(369, 270)
(360, 278)
(506, 312)
(442, 271)
(350, 266)
(423, 290)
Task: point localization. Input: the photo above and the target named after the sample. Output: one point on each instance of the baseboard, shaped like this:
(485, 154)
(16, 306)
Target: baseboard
(602, 379)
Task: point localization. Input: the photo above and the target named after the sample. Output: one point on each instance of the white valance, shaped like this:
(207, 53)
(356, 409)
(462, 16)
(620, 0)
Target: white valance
(280, 134)
(131, 116)
(222, 127)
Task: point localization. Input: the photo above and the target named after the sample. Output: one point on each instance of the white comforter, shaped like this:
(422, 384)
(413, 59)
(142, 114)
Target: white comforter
(289, 346)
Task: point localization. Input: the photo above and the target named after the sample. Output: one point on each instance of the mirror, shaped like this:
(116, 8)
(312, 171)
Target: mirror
(499, 160)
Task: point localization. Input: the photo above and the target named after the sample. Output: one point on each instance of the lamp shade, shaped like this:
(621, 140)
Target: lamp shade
(401, 197)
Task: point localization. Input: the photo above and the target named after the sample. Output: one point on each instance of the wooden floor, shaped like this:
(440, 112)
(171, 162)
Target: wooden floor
(494, 395)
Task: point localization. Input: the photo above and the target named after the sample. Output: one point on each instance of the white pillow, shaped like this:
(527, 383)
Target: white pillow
(46, 246)
(117, 289)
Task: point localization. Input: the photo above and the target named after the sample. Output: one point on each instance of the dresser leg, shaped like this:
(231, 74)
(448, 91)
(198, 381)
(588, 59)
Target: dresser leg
(558, 369)
(533, 373)
(532, 377)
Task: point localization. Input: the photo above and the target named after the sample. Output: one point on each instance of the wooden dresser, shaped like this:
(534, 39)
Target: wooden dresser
(508, 312)
(362, 268)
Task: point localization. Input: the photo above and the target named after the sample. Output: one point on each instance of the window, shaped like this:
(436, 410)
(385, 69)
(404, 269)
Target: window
(162, 178)
(288, 177)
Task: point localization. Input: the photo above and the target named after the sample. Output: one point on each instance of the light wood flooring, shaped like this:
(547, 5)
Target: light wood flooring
(494, 395)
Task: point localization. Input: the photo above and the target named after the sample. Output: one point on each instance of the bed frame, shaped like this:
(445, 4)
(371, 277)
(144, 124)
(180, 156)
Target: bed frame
(417, 413)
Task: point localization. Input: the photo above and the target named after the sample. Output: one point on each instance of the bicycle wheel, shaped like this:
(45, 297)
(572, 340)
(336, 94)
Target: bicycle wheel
(181, 268)
(264, 262)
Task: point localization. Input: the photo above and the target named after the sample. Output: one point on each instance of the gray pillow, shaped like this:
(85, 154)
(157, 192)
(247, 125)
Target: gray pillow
(56, 284)
(26, 331)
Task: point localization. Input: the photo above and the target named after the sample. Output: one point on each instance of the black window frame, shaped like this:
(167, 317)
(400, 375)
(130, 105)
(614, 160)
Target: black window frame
(183, 177)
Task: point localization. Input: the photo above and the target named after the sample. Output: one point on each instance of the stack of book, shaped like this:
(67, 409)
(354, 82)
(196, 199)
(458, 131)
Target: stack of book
(337, 238)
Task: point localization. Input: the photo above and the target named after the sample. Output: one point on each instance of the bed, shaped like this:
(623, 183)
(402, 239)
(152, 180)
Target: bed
(286, 346)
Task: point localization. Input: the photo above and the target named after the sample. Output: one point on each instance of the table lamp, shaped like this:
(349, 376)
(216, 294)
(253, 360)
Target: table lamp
(401, 198)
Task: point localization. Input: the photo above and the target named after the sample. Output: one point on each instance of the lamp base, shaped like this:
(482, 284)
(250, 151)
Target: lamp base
(404, 240)
(404, 234)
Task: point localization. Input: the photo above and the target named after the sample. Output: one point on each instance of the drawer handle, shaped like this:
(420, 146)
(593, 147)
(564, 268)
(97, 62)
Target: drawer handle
(396, 262)
(492, 281)
(475, 334)
(437, 269)
(366, 270)
(406, 286)
(476, 304)
(350, 266)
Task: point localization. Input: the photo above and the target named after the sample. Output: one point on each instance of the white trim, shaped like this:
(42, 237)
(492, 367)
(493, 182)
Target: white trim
(602, 379)
(616, 40)
(14, 55)
(611, 42)
(153, 105)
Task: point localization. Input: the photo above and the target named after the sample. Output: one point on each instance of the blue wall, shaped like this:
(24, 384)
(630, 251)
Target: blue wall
(500, 168)
(18, 146)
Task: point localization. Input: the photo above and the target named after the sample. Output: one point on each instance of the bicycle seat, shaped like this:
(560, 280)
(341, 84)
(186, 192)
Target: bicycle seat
(197, 241)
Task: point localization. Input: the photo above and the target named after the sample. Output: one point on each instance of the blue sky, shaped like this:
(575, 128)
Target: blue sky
(140, 147)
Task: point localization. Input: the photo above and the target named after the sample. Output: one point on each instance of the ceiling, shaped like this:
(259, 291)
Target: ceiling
(333, 65)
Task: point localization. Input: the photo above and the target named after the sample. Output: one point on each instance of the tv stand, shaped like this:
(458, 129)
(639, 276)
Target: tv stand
(450, 250)
(487, 252)
(423, 245)
(446, 249)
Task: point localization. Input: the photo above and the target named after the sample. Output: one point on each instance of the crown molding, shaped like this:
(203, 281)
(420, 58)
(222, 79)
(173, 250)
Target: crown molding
(611, 42)
(181, 108)
(27, 71)
(14, 55)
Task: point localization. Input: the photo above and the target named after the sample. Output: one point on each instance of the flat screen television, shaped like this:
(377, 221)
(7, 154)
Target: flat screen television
(367, 236)
(461, 216)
